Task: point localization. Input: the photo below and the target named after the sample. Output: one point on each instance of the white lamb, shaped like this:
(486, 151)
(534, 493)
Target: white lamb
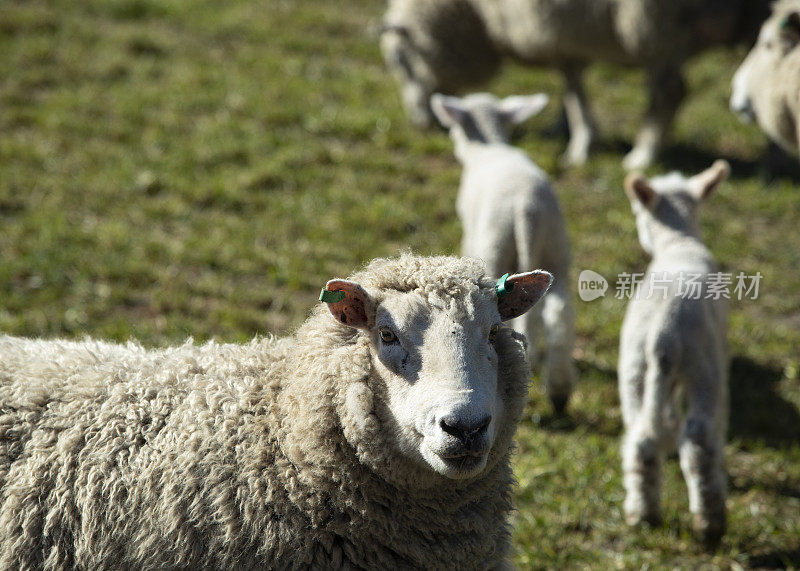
(511, 218)
(449, 46)
(766, 85)
(378, 438)
(673, 367)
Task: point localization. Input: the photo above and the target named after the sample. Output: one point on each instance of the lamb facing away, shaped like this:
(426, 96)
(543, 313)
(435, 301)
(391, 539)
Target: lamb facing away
(377, 439)
(449, 46)
(511, 218)
(673, 368)
(766, 85)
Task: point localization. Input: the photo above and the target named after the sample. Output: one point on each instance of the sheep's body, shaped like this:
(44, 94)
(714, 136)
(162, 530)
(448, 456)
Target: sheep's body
(452, 45)
(273, 454)
(673, 363)
(766, 87)
(511, 220)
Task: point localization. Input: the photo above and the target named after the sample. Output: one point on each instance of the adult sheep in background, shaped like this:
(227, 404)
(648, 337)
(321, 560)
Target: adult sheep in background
(511, 219)
(449, 46)
(377, 438)
(673, 362)
(766, 87)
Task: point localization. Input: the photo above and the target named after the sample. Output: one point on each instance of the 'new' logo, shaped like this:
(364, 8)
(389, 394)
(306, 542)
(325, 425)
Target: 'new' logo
(591, 285)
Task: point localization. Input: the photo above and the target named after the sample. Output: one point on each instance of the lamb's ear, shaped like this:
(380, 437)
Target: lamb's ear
(638, 189)
(518, 293)
(349, 303)
(790, 27)
(518, 108)
(703, 184)
(448, 110)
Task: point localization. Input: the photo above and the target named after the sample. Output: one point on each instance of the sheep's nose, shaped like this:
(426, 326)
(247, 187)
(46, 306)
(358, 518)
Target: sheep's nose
(743, 107)
(464, 430)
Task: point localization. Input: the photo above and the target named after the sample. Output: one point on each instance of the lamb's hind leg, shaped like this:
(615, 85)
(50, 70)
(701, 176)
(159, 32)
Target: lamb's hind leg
(642, 454)
(558, 318)
(701, 450)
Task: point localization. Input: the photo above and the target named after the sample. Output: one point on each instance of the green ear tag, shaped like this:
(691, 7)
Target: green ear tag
(331, 296)
(502, 287)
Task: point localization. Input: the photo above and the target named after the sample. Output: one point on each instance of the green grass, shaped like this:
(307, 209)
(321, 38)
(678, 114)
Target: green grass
(173, 168)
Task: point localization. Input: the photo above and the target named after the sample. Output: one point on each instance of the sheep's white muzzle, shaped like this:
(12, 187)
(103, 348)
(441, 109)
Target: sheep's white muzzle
(743, 108)
(457, 441)
(740, 102)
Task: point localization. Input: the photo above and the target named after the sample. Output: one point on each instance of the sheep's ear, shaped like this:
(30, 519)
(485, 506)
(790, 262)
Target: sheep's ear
(638, 188)
(448, 110)
(349, 303)
(518, 108)
(703, 184)
(518, 293)
(790, 27)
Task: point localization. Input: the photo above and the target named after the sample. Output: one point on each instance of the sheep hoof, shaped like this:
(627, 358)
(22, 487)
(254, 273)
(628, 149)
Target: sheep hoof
(638, 519)
(709, 533)
(638, 158)
(559, 404)
(574, 159)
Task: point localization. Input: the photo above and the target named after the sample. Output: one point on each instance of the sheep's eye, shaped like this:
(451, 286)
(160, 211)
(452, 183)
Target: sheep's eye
(387, 335)
(493, 332)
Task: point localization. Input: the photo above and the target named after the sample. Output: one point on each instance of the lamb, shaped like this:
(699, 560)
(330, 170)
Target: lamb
(449, 46)
(511, 217)
(672, 358)
(765, 87)
(378, 436)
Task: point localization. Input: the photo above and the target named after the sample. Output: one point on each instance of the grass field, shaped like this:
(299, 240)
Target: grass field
(173, 168)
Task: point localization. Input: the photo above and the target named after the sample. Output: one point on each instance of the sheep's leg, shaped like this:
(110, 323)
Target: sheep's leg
(529, 324)
(579, 119)
(796, 135)
(631, 386)
(667, 90)
(641, 448)
(701, 451)
(558, 318)
(415, 94)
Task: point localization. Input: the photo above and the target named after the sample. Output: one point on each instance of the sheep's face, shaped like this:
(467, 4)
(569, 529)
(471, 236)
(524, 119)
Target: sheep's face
(751, 95)
(668, 204)
(450, 379)
(440, 365)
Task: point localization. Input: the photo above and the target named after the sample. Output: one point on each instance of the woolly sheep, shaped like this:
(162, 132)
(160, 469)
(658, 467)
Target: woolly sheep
(449, 46)
(376, 439)
(511, 217)
(672, 362)
(766, 85)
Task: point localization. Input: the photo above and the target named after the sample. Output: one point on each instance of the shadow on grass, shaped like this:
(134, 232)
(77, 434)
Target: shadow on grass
(758, 412)
(571, 421)
(613, 146)
(782, 559)
(743, 484)
(584, 417)
(776, 164)
(690, 159)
